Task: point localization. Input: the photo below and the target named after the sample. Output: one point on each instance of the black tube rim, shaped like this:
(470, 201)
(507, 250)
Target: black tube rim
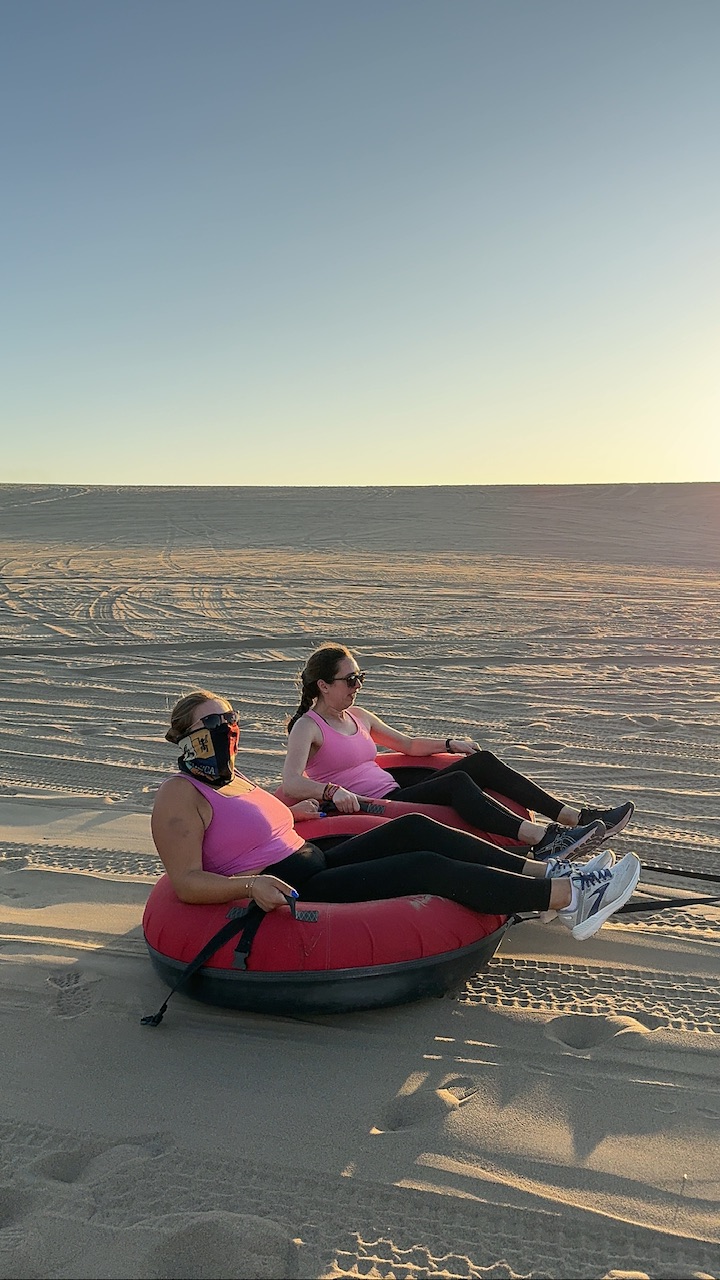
(296, 977)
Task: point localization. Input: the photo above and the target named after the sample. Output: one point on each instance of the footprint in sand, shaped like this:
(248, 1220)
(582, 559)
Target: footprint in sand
(221, 1246)
(425, 1105)
(65, 1166)
(21, 1254)
(646, 721)
(16, 1203)
(584, 1031)
(73, 993)
(92, 1161)
(460, 1088)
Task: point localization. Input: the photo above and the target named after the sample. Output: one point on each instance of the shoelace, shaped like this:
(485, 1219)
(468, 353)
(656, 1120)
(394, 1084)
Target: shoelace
(562, 841)
(584, 879)
(558, 868)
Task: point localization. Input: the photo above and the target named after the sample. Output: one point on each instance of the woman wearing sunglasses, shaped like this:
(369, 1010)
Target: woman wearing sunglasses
(333, 746)
(220, 837)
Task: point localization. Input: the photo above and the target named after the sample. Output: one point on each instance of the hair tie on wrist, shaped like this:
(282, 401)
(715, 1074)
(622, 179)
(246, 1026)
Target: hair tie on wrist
(447, 745)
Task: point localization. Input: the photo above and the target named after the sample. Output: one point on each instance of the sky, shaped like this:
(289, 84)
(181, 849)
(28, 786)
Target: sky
(322, 242)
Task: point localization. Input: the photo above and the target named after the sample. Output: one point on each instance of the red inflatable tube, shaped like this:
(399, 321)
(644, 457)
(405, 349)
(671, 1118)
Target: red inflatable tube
(333, 958)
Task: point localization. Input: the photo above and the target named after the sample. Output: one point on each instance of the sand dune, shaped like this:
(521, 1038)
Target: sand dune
(561, 1117)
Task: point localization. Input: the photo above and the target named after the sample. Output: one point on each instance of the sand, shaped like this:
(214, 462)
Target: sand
(561, 1116)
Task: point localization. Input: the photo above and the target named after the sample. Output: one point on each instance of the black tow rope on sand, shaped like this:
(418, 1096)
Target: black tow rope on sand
(680, 871)
(243, 923)
(668, 904)
(663, 904)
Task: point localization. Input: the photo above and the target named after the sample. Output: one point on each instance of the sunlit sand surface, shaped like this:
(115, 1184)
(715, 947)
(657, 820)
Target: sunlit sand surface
(561, 1116)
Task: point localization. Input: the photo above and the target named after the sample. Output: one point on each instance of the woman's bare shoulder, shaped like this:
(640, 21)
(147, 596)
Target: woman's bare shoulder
(176, 792)
(306, 729)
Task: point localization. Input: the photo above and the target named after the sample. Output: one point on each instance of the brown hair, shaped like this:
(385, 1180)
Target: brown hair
(183, 713)
(321, 665)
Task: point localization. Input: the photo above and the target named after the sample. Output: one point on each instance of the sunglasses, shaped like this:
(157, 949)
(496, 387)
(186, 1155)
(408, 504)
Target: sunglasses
(217, 718)
(353, 680)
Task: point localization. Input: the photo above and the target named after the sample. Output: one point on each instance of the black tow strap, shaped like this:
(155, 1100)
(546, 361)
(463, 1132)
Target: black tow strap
(663, 904)
(680, 871)
(242, 921)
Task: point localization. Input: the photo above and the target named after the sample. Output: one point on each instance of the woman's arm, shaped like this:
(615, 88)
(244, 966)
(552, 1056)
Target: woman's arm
(178, 830)
(303, 736)
(386, 736)
(295, 781)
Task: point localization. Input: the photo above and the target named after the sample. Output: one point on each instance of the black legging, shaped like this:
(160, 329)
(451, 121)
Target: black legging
(459, 786)
(414, 854)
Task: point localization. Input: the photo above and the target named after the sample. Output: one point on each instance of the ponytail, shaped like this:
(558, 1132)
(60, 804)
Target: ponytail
(306, 702)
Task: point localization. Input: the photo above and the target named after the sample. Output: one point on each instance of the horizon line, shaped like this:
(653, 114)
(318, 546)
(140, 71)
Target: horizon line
(498, 484)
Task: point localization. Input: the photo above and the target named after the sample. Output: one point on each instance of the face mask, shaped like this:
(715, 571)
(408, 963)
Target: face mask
(209, 754)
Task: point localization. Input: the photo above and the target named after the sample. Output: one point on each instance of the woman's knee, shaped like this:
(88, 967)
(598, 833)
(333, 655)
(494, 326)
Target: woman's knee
(415, 828)
(427, 869)
(479, 766)
(485, 758)
(462, 786)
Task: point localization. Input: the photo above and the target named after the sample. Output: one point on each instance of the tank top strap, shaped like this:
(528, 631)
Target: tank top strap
(318, 719)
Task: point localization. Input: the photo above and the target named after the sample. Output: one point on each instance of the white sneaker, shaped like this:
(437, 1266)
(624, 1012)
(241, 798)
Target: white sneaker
(600, 893)
(559, 868)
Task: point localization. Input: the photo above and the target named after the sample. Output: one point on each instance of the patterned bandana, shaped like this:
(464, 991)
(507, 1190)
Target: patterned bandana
(209, 754)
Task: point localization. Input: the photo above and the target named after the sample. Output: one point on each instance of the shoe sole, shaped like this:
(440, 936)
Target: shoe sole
(588, 927)
(619, 826)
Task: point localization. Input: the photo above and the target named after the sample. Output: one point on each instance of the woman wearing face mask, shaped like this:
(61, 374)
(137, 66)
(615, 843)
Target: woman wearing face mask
(333, 744)
(220, 837)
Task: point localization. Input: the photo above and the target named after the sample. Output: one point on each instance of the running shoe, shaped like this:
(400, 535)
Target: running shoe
(559, 868)
(569, 842)
(615, 819)
(600, 893)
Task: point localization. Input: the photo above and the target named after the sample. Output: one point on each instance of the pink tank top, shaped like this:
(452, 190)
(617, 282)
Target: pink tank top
(245, 832)
(349, 760)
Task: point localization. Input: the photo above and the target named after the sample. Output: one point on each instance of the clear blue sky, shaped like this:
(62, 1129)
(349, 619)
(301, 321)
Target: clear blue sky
(327, 242)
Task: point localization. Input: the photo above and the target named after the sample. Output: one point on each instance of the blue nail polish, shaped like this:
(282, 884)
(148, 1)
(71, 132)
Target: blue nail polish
(294, 893)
